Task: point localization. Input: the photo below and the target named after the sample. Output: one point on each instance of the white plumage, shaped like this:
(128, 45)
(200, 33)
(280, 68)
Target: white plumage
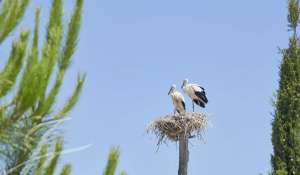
(178, 100)
(195, 92)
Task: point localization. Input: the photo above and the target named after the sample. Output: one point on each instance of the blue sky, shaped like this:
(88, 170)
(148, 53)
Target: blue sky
(133, 50)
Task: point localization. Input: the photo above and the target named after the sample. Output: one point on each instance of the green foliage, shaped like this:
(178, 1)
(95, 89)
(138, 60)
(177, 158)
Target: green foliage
(286, 124)
(123, 173)
(27, 113)
(112, 162)
(72, 37)
(113, 159)
(293, 16)
(14, 65)
(11, 14)
(45, 162)
(42, 160)
(66, 170)
(53, 162)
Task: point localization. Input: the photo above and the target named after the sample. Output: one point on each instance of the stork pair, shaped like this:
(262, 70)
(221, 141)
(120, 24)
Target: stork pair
(194, 91)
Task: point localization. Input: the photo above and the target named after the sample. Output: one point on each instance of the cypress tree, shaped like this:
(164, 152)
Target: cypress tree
(286, 124)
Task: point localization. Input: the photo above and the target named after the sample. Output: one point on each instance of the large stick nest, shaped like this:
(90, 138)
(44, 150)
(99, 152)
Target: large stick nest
(171, 126)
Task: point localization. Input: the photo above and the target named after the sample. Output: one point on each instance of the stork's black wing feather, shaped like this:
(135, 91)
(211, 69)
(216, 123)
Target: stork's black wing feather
(202, 96)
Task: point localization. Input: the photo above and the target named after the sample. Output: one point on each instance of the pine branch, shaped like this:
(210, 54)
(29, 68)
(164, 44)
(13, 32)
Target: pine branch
(71, 102)
(11, 14)
(66, 170)
(14, 65)
(53, 162)
(112, 163)
(28, 73)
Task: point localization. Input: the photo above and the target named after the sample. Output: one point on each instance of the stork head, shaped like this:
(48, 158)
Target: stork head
(185, 82)
(172, 89)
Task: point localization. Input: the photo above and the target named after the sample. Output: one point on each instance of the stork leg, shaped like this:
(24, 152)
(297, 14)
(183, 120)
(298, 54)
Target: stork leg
(193, 106)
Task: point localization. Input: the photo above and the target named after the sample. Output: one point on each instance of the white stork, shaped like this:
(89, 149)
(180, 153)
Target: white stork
(178, 100)
(195, 92)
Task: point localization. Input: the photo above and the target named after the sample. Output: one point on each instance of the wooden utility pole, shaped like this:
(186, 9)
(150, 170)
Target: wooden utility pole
(183, 154)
